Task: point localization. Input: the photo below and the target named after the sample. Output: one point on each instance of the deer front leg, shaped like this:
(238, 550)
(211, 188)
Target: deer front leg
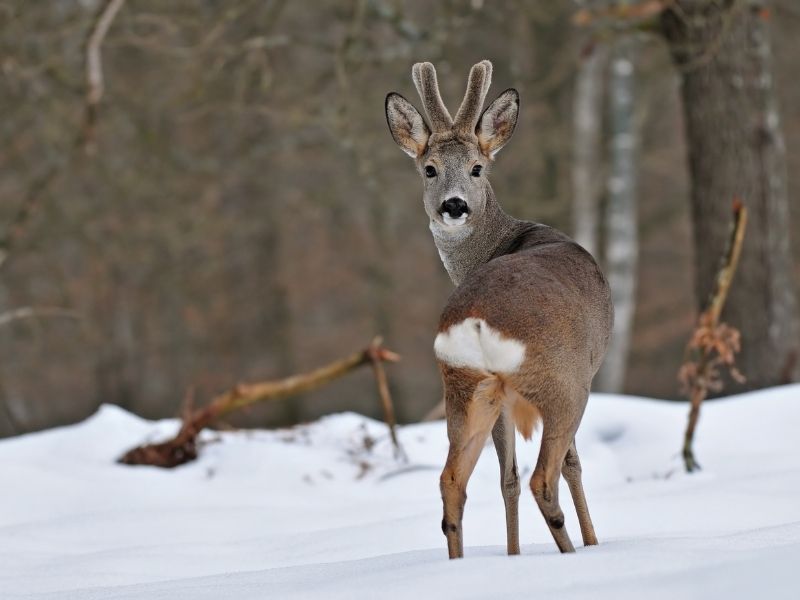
(473, 406)
(503, 436)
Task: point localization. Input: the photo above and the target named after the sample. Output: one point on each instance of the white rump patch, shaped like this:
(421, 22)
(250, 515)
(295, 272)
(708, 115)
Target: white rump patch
(473, 343)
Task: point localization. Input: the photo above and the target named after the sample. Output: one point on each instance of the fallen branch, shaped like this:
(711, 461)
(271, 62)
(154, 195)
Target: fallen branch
(183, 447)
(713, 344)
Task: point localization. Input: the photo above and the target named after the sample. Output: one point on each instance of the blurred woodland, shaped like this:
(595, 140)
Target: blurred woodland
(233, 208)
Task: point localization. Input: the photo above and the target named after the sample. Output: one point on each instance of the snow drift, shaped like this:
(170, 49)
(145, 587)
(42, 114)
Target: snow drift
(324, 511)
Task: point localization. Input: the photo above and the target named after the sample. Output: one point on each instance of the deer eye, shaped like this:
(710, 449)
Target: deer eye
(430, 171)
(476, 171)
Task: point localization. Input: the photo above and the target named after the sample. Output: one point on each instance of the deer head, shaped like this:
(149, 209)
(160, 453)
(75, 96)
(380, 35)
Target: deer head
(453, 156)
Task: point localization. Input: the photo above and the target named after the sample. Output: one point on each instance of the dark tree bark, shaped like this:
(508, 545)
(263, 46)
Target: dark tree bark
(736, 150)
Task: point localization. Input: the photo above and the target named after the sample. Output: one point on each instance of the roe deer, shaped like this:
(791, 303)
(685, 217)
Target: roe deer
(526, 328)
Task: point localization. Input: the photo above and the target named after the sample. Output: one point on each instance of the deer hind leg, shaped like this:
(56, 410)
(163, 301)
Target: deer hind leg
(503, 436)
(544, 483)
(473, 402)
(571, 469)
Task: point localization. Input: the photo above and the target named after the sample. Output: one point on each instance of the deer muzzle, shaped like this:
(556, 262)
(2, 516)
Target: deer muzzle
(454, 211)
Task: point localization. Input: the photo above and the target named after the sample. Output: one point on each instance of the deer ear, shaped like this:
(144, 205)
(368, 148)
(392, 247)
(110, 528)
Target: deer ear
(497, 122)
(407, 125)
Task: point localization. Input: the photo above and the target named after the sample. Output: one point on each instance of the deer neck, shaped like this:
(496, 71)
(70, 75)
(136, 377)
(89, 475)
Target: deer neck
(464, 248)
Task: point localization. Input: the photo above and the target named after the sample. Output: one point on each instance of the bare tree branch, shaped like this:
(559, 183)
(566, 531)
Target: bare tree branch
(95, 85)
(33, 312)
(94, 81)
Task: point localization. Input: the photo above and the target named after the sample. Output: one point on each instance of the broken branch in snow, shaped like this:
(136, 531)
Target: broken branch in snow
(374, 352)
(183, 447)
(713, 344)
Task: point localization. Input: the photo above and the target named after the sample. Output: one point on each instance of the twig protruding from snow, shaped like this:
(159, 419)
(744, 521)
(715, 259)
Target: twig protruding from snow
(713, 344)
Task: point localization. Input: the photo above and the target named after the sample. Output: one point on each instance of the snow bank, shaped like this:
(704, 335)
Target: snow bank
(324, 511)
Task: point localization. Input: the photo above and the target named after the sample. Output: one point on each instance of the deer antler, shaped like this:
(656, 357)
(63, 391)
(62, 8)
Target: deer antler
(480, 78)
(424, 76)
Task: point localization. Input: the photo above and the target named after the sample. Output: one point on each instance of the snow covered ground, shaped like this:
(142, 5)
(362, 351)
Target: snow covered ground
(324, 511)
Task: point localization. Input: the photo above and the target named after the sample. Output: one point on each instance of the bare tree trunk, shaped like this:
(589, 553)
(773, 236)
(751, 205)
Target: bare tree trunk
(736, 149)
(621, 240)
(587, 124)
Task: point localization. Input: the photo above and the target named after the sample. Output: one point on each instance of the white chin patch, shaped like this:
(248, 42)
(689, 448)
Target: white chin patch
(450, 221)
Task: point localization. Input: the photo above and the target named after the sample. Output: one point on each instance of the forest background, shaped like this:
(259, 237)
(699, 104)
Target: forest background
(234, 208)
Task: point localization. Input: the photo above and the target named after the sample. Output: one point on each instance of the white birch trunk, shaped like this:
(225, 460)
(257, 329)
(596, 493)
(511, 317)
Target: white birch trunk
(621, 242)
(587, 123)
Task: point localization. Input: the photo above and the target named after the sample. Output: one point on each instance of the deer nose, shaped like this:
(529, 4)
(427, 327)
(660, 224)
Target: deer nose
(455, 207)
